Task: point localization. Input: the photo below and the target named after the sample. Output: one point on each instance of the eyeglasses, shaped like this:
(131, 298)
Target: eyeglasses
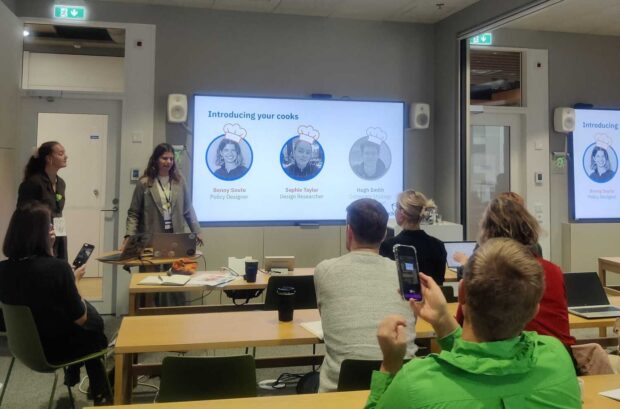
(395, 207)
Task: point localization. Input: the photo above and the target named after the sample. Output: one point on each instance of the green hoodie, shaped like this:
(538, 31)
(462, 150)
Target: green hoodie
(529, 371)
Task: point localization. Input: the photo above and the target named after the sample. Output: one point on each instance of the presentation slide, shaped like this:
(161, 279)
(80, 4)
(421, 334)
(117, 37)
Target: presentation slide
(596, 184)
(285, 161)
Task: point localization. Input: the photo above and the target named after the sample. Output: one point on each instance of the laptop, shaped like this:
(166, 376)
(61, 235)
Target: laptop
(174, 245)
(586, 296)
(133, 249)
(452, 247)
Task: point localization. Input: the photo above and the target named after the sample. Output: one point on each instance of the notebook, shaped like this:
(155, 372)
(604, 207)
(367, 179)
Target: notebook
(586, 296)
(174, 245)
(175, 279)
(133, 249)
(452, 247)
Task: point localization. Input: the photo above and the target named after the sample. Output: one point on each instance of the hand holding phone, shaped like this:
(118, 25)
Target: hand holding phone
(407, 266)
(83, 255)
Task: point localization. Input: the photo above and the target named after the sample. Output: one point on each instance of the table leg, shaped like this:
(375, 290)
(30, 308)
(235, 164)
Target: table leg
(132, 304)
(601, 273)
(122, 379)
(602, 332)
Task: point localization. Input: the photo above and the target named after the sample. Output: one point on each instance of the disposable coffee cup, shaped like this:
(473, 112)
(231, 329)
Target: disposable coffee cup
(286, 303)
(251, 268)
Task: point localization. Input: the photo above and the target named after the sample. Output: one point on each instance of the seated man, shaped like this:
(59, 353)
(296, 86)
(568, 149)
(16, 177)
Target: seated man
(355, 291)
(489, 363)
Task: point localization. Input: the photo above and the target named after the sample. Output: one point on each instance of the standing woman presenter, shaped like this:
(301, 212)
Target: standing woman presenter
(42, 184)
(161, 201)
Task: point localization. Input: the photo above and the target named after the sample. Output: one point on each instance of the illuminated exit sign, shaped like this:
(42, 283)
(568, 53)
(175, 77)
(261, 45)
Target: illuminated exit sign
(70, 12)
(481, 39)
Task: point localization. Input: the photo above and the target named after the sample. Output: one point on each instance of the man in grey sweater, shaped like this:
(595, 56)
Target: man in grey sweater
(356, 291)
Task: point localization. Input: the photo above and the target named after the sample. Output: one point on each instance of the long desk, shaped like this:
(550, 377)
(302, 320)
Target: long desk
(190, 332)
(339, 400)
(137, 290)
(607, 264)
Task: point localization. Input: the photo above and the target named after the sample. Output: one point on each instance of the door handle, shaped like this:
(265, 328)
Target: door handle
(113, 209)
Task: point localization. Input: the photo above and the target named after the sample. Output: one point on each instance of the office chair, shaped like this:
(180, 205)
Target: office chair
(199, 378)
(8, 373)
(25, 345)
(448, 292)
(305, 295)
(355, 374)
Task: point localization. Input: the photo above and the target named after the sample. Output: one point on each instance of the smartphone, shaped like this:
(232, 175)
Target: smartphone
(407, 266)
(83, 255)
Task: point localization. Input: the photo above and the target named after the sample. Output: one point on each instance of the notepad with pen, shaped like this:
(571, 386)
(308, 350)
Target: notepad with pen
(174, 279)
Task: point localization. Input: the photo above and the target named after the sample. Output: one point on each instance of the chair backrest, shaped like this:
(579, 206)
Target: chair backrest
(355, 374)
(23, 338)
(305, 295)
(199, 378)
(448, 292)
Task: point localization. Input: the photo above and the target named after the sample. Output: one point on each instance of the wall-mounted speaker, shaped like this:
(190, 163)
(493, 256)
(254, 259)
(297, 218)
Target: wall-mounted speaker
(177, 108)
(419, 115)
(564, 119)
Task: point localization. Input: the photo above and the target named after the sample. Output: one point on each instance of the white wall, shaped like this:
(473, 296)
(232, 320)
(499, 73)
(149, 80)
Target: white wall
(10, 70)
(72, 72)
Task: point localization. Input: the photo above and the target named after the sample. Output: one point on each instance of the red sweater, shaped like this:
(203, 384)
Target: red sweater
(552, 318)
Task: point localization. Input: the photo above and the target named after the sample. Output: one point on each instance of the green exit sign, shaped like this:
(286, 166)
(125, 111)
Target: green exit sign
(482, 39)
(70, 12)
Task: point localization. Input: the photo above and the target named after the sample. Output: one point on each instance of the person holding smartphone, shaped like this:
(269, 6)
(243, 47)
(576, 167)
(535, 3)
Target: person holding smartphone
(355, 291)
(69, 327)
(491, 362)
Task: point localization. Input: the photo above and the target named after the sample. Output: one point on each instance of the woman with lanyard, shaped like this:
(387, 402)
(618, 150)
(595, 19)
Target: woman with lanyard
(42, 184)
(161, 201)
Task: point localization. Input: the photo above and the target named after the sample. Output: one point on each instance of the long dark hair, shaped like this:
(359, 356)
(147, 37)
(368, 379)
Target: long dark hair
(36, 163)
(152, 169)
(28, 233)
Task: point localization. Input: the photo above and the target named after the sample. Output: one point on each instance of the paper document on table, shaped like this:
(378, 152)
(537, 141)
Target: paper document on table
(314, 327)
(211, 279)
(613, 393)
(175, 279)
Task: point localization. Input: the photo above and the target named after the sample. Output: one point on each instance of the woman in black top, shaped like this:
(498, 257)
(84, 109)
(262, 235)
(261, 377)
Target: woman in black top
(42, 184)
(409, 210)
(68, 326)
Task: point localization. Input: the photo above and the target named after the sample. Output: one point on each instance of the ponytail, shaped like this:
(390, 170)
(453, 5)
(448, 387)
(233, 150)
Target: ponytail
(36, 163)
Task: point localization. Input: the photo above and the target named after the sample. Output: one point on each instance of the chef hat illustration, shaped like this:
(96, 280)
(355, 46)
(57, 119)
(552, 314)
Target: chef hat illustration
(234, 132)
(602, 140)
(376, 135)
(308, 133)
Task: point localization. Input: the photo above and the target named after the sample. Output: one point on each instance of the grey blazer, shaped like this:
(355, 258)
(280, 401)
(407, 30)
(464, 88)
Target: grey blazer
(145, 214)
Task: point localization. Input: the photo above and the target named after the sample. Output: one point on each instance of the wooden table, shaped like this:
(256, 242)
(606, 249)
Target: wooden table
(338, 400)
(137, 290)
(145, 261)
(189, 332)
(607, 264)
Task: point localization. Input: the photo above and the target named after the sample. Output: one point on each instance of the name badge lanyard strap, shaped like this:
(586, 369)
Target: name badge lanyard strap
(168, 204)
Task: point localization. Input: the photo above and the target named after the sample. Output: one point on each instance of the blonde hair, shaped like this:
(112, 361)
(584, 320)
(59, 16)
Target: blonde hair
(503, 286)
(512, 196)
(506, 217)
(415, 205)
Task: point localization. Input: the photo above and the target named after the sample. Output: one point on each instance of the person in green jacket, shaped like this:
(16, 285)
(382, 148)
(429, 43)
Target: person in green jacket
(489, 363)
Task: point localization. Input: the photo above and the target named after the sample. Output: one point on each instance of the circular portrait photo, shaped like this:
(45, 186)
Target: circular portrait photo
(302, 156)
(600, 162)
(229, 156)
(370, 157)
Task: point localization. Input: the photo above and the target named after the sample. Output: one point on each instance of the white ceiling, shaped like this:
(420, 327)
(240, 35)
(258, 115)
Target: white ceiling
(575, 16)
(412, 11)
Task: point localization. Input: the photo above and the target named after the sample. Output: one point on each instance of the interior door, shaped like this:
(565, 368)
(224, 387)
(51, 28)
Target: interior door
(84, 137)
(495, 163)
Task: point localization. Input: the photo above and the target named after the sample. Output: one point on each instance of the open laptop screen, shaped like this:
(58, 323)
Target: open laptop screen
(584, 289)
(452, 247)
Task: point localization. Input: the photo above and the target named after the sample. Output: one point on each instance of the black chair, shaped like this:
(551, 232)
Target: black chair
(448, 292)
(305, 295)
(355, 374)
(199, 378)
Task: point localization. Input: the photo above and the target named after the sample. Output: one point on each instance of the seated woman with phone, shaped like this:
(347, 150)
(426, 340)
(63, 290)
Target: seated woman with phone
(69, 327)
